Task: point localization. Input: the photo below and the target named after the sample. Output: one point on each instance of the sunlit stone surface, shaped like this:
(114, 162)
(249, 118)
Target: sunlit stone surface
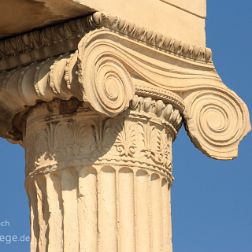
(96, 96)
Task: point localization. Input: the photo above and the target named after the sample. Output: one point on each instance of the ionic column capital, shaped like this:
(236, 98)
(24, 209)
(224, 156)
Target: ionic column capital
(113, 61)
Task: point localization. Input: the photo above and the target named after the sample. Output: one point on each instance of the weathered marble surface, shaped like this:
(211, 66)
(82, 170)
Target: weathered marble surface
(96, 102)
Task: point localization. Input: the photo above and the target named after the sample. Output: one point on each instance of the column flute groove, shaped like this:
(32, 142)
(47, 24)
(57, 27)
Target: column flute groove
(55, 221)
(88, 209)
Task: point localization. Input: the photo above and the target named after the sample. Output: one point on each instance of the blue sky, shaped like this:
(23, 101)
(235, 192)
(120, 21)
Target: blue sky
(211, 200)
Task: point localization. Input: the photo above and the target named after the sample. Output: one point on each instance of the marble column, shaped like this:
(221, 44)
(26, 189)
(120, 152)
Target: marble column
(98, 184)
(97, 102)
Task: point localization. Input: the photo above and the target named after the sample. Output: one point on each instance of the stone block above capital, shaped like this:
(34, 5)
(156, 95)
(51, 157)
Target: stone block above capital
(184, 20)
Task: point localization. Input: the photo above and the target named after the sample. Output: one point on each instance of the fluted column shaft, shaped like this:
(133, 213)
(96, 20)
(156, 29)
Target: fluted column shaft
(98, 184)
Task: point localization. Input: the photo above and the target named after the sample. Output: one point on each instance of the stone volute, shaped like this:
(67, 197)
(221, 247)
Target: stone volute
(97, 102)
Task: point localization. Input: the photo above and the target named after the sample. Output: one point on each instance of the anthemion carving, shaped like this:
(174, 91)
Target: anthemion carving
(97, 102)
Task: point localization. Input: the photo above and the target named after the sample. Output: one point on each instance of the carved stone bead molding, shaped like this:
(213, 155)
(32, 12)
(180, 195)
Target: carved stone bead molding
(141, 137)
(115, 60)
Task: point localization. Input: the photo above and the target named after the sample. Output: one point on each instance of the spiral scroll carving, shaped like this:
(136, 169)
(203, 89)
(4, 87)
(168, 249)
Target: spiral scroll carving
(215, 122)
(108, 86)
